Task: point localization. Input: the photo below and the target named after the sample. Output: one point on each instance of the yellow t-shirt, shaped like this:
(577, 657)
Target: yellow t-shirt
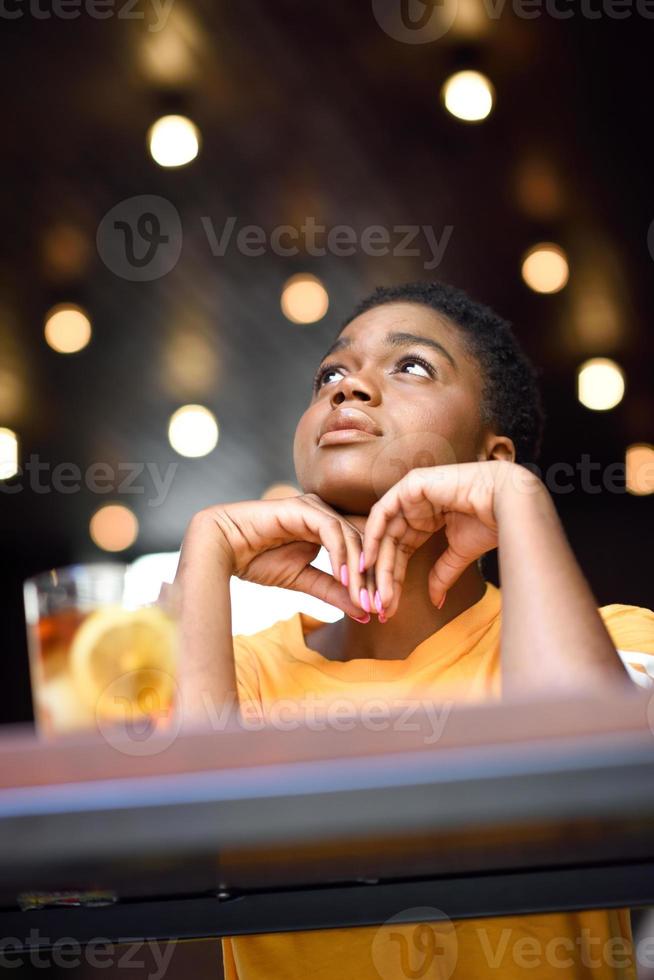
(459, 662)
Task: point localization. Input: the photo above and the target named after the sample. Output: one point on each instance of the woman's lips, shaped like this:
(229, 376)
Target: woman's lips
(338, 436)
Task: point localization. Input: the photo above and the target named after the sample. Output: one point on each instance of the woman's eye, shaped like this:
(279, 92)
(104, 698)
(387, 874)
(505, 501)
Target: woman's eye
(419, 362)
(322, 376)
(424, 369)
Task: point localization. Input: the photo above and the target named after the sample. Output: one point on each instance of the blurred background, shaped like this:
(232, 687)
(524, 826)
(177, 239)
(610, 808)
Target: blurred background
(195, 195)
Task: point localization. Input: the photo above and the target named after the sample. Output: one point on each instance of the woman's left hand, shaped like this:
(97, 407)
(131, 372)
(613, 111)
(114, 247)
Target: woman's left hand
(461, 498)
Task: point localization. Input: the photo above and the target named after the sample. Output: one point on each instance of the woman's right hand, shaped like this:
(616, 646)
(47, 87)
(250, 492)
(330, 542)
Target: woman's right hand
(273, 542)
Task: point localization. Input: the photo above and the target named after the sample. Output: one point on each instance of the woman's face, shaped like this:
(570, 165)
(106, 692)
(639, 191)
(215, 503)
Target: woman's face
(417, 396)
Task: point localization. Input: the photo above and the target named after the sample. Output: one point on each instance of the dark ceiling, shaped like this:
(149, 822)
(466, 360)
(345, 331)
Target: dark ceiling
(308, 110)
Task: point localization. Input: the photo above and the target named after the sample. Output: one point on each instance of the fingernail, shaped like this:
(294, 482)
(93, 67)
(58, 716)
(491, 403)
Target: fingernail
(364, 598)
(362, 563)
(361, 619)
(378, 602)
(345, 578)
(442, 602)
(382, 618)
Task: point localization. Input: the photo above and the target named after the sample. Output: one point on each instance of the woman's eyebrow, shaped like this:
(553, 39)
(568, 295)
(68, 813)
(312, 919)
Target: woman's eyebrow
(398, 340)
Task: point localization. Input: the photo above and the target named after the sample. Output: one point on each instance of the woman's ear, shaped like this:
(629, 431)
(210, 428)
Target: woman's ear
(499, 447)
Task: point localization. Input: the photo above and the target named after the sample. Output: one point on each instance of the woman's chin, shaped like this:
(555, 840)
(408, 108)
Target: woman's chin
(346, 499)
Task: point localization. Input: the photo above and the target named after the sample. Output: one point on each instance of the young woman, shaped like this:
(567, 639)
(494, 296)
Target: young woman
(413, 457)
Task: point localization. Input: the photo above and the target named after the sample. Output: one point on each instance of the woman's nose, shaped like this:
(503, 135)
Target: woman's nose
(355, 386)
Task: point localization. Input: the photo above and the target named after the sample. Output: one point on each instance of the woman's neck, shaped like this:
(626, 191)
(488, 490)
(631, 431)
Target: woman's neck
(415, 620)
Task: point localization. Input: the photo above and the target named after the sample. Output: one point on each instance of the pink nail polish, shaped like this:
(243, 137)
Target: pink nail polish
(382, 618)
(365, 599)
(361, 619)
(362, 563)
(378, 602)
(442, 602)
(345, 578)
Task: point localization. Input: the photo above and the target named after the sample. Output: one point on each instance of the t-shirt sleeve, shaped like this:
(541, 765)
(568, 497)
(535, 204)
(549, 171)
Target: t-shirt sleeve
(632, 630)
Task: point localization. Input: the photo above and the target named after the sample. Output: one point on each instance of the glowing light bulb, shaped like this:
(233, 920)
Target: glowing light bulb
(174, 141)
(193, 431)
(600, 384)
(67, 328)
(114, 527)
(304, 299)
(639, 460)
(545, 268)
(469, 96)
(8, 454)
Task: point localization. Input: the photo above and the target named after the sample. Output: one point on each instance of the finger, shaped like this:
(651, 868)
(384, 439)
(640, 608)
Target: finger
(397, 545)
(396, 576)
(341, 541)
(385, 527)
(443, 575)
(313, 581)
(384, 569)
(357, 579)
(402, 557)
(379, 518)
(364, 583)
(371, 588)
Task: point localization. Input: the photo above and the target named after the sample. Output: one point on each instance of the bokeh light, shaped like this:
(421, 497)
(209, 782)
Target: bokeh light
(600, 384)
(189, 363)
(173, 56)
(304, 299)
(13, 394)
(67, 328)
(545, 268)
(8, 454)
(539, 188)
(65, 252)
(469, 96)
(639, 460)
(193, 431)
(174, 141)
(114, 527)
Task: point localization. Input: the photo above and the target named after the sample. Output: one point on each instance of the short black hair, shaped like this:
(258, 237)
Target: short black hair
(510, 396)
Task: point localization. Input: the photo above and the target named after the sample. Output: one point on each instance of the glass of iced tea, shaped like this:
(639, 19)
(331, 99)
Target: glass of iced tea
(98, 656)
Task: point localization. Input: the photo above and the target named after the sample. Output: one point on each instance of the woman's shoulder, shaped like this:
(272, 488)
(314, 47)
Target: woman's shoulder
(630, 627)
(632, 630)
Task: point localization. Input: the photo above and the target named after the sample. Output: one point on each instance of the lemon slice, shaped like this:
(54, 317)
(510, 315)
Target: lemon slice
(123, 661)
